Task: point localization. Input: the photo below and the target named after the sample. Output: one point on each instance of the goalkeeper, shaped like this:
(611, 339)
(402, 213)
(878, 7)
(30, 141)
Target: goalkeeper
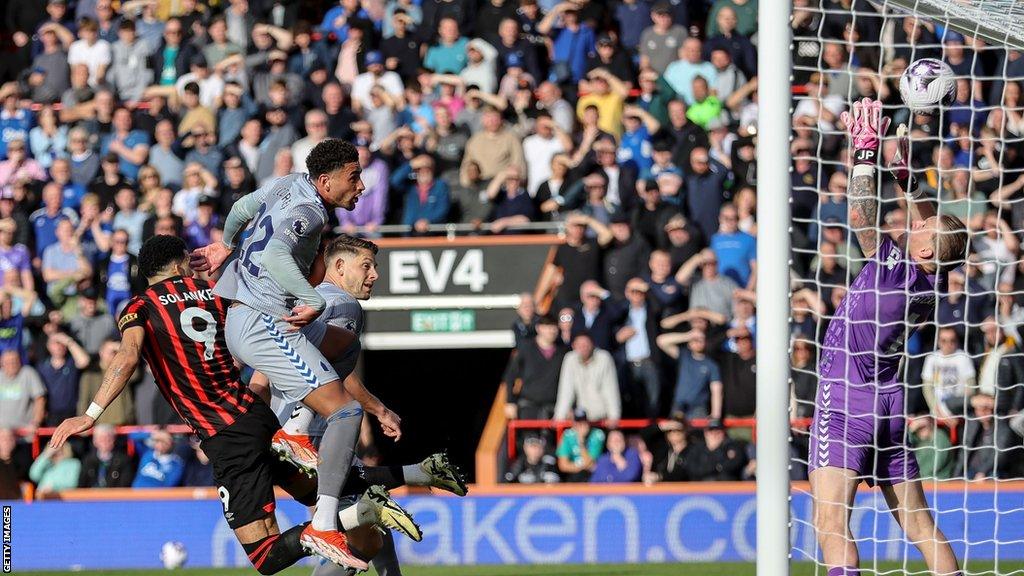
(858, 429)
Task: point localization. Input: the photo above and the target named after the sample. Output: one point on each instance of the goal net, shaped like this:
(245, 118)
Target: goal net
(963, 368)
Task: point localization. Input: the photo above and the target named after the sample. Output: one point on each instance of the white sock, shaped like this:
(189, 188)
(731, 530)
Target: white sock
(299, 421)
(325, 517)
(361, 513)
(415, 476)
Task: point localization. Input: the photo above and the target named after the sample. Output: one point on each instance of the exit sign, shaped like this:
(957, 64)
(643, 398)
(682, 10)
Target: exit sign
(443, 321)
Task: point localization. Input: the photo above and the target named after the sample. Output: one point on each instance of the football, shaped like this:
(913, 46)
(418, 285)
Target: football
(926, 85)
(173, 555)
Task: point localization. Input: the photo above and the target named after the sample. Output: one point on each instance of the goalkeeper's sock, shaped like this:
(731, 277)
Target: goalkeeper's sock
(844, 571)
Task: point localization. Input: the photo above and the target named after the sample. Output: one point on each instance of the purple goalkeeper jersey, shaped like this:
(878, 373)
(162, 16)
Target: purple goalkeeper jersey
(864, 343)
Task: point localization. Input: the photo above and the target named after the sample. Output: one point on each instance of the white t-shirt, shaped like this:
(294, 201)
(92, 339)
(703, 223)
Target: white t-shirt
(950, 374)
(538, 152)
(361, 86)
(210, 88)
(92, 56)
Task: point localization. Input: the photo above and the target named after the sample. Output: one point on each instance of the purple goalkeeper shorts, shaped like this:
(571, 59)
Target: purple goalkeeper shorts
(864, 430)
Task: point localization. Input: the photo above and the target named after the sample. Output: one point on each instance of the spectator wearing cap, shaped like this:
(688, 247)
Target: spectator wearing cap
(199, 232)
(637, 338)
(621, 463)
(481, 68)
(539, 148)
(85, 162)
(316, 132)
(588, 381)
(624, 257)
(129, 73)
(448, 54)
(712, 291)
(534, 465)
(516, 79)
(211, 85)
(680, 74)
(159, 466)
(400, 48)
(90, 50)
(532, 376)
(18, 165)
(173, 56)
(22, 394)
(572, 42)
(372, 207)
(739, 382)
(117, 273)
(660, 43)
(960, 59)
(45, 220)
(664, 287)
(201, 146)
(495, 148)
(106, 465)
(512, 204)
(375, 75)
(60, 376)
(670, 449)
(633, 16)
(579, 449)
(426, 197)
(719, 458)
(610, 56)
(698, 382)
(131, 146)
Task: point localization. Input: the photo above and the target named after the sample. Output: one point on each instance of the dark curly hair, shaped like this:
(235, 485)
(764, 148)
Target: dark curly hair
(330, 155)
(159, 252)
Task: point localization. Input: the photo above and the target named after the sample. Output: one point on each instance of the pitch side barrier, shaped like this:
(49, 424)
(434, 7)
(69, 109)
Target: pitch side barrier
(514, 524)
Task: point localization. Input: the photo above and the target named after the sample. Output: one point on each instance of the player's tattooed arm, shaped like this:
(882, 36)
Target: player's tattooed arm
(122, 367)
(863, 208)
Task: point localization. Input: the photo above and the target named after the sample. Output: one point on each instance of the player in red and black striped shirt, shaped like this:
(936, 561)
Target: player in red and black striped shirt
(177, 325)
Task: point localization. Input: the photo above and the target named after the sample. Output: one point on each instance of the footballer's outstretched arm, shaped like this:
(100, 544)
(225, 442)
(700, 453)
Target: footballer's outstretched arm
(120, 371)
(865, 125)
(210, 257)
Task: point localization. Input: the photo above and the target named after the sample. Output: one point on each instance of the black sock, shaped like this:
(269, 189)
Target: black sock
(389, 476)
(275, 553)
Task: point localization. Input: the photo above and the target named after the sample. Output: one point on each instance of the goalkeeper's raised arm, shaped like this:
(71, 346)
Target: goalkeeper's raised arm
(865, 125)
(919, 206)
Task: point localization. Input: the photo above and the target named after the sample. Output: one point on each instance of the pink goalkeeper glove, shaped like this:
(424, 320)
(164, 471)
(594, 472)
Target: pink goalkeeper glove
(866, 127)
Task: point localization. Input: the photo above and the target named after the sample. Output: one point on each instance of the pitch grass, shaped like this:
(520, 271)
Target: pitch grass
(715, 569)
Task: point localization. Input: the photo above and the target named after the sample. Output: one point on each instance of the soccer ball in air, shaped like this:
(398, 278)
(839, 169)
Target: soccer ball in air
(173, 555)
(926, 85)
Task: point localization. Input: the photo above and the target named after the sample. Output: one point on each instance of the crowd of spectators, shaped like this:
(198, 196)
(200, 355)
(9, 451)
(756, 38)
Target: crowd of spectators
(629, 124)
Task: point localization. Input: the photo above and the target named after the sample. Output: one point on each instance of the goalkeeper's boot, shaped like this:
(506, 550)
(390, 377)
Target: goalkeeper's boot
(297, 449)
(332, 545)
(443, 474)
(391, 514)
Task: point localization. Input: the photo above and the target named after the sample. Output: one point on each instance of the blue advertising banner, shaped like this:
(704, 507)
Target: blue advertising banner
(510, 529)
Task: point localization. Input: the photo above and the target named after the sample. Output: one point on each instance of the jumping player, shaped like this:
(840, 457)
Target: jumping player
(177, 324)
(350, 274)
(859, 422)
(274, 303)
